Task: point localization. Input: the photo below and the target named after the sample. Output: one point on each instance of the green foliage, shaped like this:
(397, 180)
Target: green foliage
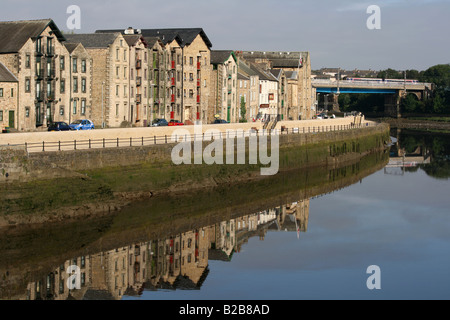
(243, 110)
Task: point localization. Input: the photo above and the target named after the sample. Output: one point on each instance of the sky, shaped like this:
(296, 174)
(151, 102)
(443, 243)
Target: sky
(413, 34)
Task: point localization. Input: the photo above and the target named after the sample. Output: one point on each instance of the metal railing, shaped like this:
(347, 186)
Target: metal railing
(72, 145)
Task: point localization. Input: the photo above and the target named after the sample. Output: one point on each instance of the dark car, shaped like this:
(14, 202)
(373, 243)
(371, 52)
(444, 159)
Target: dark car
(217, 121)
(175, 123)
(160, 123)
(59, 126)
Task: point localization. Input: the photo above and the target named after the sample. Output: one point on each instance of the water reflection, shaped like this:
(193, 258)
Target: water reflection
(176, 262)
(167, 244)
(413, 150)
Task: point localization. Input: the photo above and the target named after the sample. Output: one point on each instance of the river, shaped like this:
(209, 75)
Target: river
(377, 229)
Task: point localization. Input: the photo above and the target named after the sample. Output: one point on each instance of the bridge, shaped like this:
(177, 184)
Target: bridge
(394, 90)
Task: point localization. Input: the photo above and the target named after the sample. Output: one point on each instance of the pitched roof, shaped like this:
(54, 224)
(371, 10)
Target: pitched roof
(185, 36)
(6, 75)
(220, 56)
(132, 39)
(14, 34)
(71, 46)
(151, 41)
(93, 40)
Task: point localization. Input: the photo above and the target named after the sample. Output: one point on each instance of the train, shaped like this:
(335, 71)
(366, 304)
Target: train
(380, 80)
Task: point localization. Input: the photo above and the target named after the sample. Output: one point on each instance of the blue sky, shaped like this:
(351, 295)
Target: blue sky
(413, 33)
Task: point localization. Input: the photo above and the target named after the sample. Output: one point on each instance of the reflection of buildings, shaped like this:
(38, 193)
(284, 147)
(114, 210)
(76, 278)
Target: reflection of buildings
(177, 262)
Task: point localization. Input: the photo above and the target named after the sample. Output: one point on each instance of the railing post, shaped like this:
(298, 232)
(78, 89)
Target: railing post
(43, 146)
(26, 147)
(142, 141)
(89, 143)
(74, 144)
(166, 138)
(103, 143)
(59, 145)
(117, 142)
(154, 139)
(131, 142)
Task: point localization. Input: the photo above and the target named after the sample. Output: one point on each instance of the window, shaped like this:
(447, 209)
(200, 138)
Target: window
(83, 106)
(191, 61)
(62, 87)
(83, 66)
(125, 89)
(61, 110)
(125, 73)
(12, 92)
(191, 77)
(62, 63)
(83, 85)
(117, 90)
(74, 106)
(117, 52)
(49, 46)
(125, 55)
(117, 72)
(27, 61)
(1, 92)
(75, 84)
(75, 65)
(27, 112)
(27, 85)
(1, 115)
(38, 45)
(117, 109)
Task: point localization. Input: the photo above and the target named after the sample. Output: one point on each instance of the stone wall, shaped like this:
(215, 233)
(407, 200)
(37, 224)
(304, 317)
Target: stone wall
(17, 165)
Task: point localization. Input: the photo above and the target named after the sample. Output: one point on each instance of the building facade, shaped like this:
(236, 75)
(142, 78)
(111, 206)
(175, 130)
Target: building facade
(8, 99)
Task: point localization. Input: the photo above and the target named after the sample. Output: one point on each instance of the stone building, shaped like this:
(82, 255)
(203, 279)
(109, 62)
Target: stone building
(224, 101)
(8, 98)
(191, 47)
(30, 50)
(111, 101)
(76, 79)
(298, 62)
(249, 89)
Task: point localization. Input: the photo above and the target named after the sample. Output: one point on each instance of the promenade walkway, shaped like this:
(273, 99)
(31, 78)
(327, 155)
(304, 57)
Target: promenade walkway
(126, 137)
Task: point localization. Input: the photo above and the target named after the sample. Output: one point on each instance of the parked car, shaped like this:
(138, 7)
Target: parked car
(218, 121)
(59, 126)
(160, 123)
(82, 125)
(175, 123)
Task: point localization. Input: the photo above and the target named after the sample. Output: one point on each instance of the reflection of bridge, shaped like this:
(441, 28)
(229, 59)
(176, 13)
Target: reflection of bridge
(393, 89)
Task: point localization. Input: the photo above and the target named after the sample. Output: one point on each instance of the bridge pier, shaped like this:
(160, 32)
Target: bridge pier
(392, 104)
(331, 102)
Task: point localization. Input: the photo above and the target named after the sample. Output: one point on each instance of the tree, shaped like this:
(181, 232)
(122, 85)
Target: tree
(243, 110)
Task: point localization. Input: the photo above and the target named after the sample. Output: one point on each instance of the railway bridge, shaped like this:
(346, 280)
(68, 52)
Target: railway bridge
(393, 89)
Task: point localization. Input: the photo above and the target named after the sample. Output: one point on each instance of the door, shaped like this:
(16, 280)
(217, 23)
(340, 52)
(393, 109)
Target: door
(11, 119)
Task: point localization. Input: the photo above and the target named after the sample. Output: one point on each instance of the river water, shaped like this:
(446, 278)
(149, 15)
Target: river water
(308, 241)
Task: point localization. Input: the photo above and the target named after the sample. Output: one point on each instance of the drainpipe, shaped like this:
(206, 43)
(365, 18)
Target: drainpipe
(70, 88)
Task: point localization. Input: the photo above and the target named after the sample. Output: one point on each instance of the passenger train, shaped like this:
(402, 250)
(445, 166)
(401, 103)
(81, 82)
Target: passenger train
(380, 80)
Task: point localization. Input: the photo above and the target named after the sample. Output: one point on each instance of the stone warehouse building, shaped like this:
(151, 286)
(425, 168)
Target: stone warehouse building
(119, 65)
(186, 66)
(132, 76)
(54, 77)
